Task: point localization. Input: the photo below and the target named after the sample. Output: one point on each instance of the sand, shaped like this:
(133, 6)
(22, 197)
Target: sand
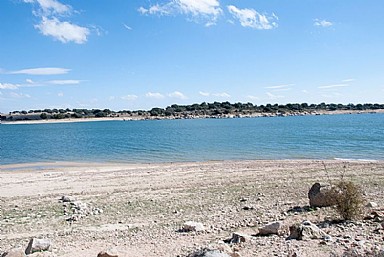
(145, 205)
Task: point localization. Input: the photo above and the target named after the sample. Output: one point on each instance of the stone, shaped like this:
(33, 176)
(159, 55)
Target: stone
(305, 231)
(14, 253)
(209, 253)
(270, 229)
(320, 196)
(109, 253)
(371, 205)
(38, 245)
(66, 199)
(238, 238)
(190, 226)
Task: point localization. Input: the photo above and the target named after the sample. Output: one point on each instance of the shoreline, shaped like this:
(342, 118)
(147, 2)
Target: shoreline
(71, 164)
(139, 118)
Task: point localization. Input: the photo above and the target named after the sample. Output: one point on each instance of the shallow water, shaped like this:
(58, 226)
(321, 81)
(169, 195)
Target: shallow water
(354, 136)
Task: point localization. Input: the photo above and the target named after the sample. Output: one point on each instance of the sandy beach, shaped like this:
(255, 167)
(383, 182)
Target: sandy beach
(141, 208)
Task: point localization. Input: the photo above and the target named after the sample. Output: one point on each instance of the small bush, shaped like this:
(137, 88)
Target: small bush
(349, 200)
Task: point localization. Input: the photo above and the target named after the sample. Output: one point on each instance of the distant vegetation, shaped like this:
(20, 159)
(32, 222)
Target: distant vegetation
(204, 110)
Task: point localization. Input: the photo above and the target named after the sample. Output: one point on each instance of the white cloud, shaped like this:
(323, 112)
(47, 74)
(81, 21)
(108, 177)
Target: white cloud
(9, 86)
(50, 25)
(333, 86)
(51, 6)
(63, 31)
(322, 23)
(60, 94)
(129, 97)
(224, 95)
(42, 71)
(127, 27)
(19, 95)
(204, 93)
(177, 94)
(207, 11)
(274, 97)
(348, 80)
(154, 95)
(64, 82)
(251, 18)
(280, 86)
(252, 97)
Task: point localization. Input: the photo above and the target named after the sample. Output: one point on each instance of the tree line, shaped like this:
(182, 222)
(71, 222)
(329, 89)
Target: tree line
(203, 109)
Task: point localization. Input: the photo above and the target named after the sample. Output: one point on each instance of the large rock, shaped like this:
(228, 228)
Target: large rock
(305, 231)
(14, 253)
(38, 245)
(193, 226)
(320, 196)
(270, 229)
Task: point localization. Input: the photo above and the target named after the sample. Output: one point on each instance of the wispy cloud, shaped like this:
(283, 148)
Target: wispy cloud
(129, 97)
(280, 86)
(252, 97)
(348, 80)
(204, 93)
(223, 95)
(273, 96)
(251, 18)
(333, 86)
(206, 11)
(322, 23)
(127, 27)
(19, 95)
(64, 82)
(9, 86)
(177, 94)
(51, 12)
(60, 94)
(42, 71)
(154, 95)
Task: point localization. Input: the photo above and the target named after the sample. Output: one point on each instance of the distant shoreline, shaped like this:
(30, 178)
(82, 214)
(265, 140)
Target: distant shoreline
(228, 116)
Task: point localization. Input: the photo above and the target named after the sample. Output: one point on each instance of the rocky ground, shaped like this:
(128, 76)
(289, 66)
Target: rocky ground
(140, 210)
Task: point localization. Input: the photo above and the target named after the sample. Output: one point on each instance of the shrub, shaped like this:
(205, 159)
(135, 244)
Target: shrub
(349, 199)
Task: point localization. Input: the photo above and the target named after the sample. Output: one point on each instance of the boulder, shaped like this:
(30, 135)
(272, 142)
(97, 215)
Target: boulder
(190, 226)
(38, 245)
(305, 231)
(270, 229)
(108, 253)
(320, 196)
(14, 253)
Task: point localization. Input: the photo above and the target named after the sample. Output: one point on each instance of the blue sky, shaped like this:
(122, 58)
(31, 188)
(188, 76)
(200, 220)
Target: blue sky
(121, 54)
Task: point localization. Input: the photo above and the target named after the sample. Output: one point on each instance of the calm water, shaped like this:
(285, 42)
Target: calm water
(305, 137)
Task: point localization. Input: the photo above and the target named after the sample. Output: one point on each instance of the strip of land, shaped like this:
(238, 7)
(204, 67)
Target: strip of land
(26, 119)
(144, 206)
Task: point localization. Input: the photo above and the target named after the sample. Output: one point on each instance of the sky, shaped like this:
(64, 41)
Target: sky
(140, 54)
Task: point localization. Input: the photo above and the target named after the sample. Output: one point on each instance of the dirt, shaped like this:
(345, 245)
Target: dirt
(144, 206)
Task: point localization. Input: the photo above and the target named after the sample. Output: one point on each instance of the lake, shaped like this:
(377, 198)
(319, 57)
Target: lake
(351, 136)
